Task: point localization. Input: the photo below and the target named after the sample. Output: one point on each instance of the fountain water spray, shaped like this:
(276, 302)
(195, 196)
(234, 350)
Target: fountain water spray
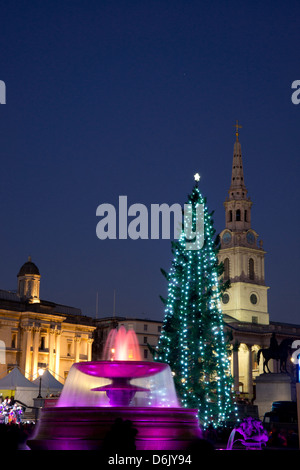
(97, 393)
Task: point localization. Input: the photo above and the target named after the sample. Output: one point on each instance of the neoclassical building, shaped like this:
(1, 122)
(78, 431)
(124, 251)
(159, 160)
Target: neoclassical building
(245, 304)
(36, 333)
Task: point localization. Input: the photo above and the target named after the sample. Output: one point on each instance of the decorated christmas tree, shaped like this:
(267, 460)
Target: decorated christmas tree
(192, 340)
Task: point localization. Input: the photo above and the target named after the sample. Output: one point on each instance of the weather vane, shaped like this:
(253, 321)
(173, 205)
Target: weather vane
(237, 127)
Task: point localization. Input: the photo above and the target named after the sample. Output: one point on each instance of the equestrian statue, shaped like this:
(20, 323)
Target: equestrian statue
(279, 352)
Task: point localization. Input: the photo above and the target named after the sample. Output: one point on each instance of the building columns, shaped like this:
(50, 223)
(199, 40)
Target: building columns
(57, 354)
(35, 353)
(250, 367)
(235, 365)
(89, 349)
(51, 350)
(77, 341)
(27, 348)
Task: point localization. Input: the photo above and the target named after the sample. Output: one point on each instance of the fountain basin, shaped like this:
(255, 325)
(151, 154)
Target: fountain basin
(86, 428)
(116, 369)
(120, 391)
(119, 383)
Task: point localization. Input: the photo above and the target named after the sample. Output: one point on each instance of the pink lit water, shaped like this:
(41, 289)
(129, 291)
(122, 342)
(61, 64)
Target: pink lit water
(121, 345)
(121, 358)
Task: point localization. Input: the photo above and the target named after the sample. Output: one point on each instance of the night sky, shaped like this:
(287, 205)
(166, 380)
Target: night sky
(132, 97)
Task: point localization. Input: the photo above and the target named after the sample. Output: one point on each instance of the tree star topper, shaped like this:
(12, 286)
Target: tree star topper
(197, 177)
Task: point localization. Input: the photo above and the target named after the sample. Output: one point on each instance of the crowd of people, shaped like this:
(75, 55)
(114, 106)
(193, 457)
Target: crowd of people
(13, 431)
(10, 411)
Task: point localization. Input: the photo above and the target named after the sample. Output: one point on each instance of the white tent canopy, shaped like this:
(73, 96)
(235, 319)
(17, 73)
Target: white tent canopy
(15, 379)
(24, 390)
(48, 382)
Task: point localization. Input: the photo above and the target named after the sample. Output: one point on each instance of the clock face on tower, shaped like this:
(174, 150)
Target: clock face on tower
(225, 299)
(226, 238)
(250, 238)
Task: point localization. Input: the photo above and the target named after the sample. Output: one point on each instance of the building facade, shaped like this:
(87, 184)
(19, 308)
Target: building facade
(147, 332)
(35, 333)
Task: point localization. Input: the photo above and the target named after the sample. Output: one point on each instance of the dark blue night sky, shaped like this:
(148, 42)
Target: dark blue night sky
(110, 98)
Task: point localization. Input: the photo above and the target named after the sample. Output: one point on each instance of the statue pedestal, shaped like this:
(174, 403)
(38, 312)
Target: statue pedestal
(270, 388)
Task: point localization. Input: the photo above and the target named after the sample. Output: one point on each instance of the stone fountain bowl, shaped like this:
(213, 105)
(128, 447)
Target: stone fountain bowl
(87, 427)
(119, 369)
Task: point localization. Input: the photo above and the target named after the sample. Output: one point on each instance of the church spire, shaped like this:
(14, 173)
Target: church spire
(237, 188)
(238, 204)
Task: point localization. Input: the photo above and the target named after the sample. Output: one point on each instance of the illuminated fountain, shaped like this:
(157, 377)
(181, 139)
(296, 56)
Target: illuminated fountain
(97, 393)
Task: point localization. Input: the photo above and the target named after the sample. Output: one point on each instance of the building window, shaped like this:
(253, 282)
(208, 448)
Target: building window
(226, 269)
(230, 216)
(245, 216)
(159, 329)
(145, 354)
(238, 215)
(145, 327)
(253, 299)
(254, 319)
(145, 340)
(225, 299)
(251, 269)
(42, 346)
(14, 341)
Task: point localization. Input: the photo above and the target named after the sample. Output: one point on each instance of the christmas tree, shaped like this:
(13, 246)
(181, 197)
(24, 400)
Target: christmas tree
(192, 340)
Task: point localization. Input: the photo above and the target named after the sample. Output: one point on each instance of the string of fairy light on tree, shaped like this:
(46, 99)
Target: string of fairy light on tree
(192, 341)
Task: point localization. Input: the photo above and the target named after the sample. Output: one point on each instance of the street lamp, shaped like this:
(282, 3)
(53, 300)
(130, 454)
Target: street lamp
(40, 371)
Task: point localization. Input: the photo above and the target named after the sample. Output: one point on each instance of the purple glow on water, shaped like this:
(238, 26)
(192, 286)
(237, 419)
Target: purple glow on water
(91, 384)
(117, 382)
(111, 369)
(96, 394)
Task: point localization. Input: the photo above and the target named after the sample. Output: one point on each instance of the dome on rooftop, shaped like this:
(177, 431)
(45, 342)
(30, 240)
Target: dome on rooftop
(29, 268)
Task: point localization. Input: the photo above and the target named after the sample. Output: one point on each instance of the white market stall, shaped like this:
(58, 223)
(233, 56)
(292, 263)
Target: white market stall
(16, 385)
(49, 384)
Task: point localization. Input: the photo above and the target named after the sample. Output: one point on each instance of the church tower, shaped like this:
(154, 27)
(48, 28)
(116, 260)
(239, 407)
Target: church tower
(241, 252)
